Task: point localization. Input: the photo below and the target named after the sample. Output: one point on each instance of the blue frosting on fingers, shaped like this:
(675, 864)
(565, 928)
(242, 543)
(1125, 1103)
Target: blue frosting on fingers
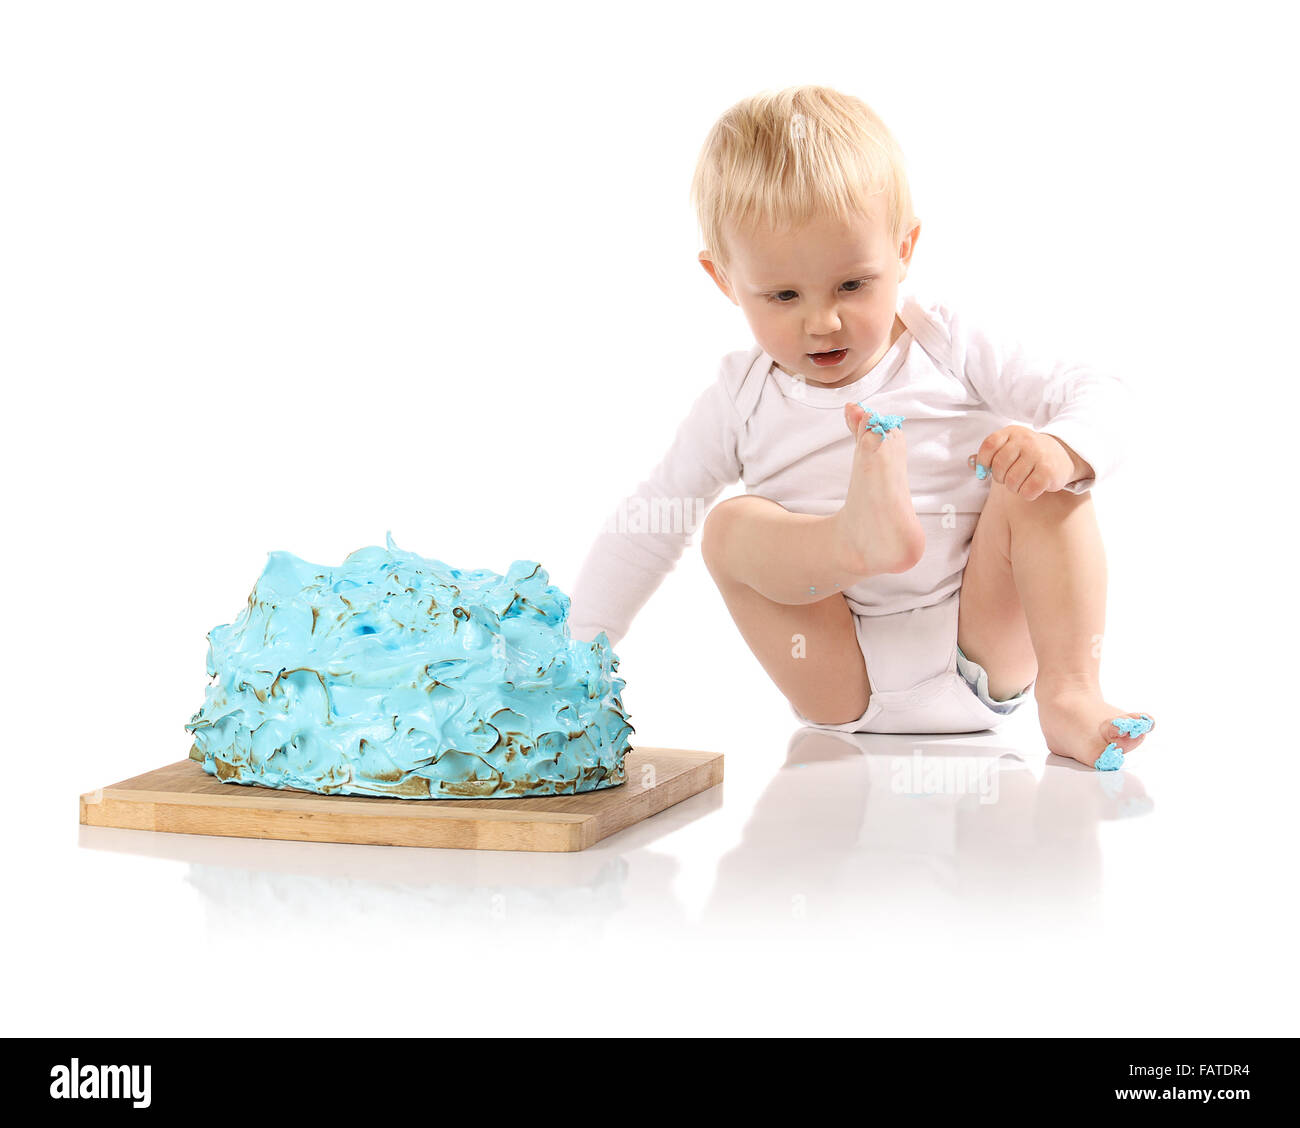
(395, 675)
(1111, 759)
(1133, 726)
(981, 472)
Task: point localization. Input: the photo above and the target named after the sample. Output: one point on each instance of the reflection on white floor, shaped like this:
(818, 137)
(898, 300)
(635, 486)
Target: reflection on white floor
(871, 827)
(875, 829)
(265, 883)
(946, 884)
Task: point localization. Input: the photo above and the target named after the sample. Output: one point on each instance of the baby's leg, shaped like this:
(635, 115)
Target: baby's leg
(796, 558)
(782, 574)
(1033, 600)
(807, 645)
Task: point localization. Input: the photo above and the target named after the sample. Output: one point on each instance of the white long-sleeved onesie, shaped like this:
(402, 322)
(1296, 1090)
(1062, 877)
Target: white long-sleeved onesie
(786, 439)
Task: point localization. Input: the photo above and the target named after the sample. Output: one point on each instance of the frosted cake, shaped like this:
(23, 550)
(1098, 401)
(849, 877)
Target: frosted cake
(395, 675)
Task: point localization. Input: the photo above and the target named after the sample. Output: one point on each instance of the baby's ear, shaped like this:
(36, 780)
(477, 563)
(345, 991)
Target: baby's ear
(718, 274)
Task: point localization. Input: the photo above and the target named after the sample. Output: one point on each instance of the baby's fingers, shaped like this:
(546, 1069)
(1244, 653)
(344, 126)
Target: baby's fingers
(1022, 477)
(982, 461)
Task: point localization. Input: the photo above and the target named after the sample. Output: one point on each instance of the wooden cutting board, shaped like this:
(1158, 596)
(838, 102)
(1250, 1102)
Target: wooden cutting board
(182, 798)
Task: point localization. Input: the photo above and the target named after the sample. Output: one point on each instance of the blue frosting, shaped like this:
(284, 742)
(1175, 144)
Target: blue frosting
(1133, 726)
(1111, 759)
(981, 472)
(396, 675)
(881, 424)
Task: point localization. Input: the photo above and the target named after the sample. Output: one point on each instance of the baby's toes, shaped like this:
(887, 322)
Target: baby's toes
(853, 415)
(1123, 734)
(1130, 729)
(1111, 758)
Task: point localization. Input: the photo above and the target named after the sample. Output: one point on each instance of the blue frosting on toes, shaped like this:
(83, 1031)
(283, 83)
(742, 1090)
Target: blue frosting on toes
(1112, 759)
(1133, 726)
(881, 423)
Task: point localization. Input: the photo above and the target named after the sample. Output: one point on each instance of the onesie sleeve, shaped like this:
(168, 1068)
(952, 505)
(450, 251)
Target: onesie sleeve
(1088, 409)
(644, 536)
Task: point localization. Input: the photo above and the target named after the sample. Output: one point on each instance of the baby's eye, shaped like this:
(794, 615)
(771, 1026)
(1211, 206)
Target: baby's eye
(855, 287)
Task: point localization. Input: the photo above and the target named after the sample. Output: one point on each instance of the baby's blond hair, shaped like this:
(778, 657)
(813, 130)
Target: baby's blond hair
(779, 159)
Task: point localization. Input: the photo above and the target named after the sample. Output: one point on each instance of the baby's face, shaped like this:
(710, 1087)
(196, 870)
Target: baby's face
(818, 288)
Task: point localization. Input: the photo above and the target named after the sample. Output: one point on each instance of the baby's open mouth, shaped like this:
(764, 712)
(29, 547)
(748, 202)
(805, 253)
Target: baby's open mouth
(827, 359)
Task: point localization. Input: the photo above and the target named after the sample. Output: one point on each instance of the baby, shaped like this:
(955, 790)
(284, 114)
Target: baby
(916, 548)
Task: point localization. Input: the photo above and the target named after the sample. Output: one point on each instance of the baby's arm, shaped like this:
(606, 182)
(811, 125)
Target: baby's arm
(645, 535)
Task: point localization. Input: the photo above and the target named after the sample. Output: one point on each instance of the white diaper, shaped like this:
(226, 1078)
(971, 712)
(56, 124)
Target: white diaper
(919, 681)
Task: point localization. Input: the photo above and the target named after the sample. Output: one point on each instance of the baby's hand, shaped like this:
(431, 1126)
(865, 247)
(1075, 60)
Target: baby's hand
(1027, 462)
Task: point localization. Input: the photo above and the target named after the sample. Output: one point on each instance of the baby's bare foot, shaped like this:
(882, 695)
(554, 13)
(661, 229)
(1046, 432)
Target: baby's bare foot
(881, 531)
(1079, 724)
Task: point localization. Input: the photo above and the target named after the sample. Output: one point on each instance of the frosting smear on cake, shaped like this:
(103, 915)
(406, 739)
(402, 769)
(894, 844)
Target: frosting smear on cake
(395, 675)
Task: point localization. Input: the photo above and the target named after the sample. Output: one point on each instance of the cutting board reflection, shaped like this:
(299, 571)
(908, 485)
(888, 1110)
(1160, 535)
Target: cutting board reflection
(182, 798)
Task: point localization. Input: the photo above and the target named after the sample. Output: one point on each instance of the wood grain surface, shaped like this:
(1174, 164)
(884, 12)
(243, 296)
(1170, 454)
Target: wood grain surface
(182, 798)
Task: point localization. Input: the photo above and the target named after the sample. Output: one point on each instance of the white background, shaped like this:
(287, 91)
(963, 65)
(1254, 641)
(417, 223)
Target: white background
(287, 276)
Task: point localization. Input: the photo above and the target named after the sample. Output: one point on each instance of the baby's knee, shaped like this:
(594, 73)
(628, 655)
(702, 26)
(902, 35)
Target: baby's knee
(718, 531)
(1004, 499)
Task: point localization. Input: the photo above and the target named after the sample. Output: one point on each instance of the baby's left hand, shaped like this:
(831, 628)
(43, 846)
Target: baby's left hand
(1027, 462)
